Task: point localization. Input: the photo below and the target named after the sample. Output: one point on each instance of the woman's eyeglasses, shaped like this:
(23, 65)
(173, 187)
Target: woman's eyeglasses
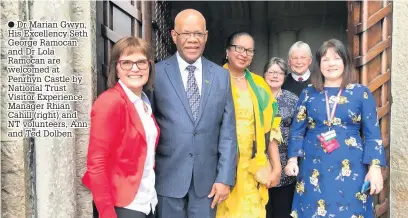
(240, 49)
(128, 65)
(275, 73)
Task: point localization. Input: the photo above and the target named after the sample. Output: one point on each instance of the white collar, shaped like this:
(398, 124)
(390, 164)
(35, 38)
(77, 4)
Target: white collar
(132, 96)
(183, 64)
(305, 76)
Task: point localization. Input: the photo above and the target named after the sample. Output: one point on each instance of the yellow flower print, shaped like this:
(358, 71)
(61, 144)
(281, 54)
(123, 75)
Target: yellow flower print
(357, 216)
(336, 121)
(355, 118)
(300, 187)
(321, 209)
(345, 170)
(301, 114)
(375, 162)
(315, 173)
(365, 95)
(350, 86)
(312, 123)
(363, 198)
(294, 214)
(332, 99)
(352, 142)
(314, 180)
(343, 100)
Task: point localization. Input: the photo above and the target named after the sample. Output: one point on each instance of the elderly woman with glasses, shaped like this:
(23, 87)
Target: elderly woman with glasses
(281, 196)
(258, 133)
(123, 137)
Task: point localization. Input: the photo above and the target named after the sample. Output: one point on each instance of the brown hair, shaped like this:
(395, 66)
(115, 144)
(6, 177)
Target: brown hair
(128, 46)
(349, 74)
(278, 61)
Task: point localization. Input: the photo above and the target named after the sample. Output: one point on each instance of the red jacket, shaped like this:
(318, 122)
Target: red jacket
(116, 153)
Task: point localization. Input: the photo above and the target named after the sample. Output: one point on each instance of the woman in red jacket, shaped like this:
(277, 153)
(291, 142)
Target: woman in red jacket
(123, 137)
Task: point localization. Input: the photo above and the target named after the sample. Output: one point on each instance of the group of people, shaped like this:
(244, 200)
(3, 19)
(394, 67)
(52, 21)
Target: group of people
(221, 141)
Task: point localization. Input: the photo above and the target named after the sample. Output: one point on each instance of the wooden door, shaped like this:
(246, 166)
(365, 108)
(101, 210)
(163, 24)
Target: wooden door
(369, 38)
(117, 19)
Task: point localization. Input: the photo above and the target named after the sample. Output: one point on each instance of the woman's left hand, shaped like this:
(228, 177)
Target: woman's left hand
(376, 179)
(274, 178)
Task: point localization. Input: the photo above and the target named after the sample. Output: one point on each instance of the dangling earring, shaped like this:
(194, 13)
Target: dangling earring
(226, 57)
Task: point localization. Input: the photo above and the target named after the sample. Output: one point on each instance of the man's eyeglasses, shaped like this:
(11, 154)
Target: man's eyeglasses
(275, 73)
(197, 35)
(128, 65)
(240, 49)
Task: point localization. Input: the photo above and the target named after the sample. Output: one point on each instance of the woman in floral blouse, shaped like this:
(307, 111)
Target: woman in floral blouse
(281, 196)
(325, 135)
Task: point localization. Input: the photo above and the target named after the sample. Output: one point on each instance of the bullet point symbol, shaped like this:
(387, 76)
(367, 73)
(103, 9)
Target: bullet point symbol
(11, 24)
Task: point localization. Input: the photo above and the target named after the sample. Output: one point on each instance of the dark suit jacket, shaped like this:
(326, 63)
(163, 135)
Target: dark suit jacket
(205, 150)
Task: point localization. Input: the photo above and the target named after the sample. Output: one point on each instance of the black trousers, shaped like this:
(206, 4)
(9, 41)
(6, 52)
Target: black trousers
(124, 213)
(280, 201)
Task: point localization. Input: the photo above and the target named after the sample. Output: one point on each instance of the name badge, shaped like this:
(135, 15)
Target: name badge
(328, 141)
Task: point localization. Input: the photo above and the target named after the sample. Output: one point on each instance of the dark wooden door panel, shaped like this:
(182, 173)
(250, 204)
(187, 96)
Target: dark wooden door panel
(369, 36)
(117, 19)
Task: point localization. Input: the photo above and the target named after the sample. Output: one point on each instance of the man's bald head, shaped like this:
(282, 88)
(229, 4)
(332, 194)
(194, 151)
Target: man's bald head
(189, 14)
(190, 34)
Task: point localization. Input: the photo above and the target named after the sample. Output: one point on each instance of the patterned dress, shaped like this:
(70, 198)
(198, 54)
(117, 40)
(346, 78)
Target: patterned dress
(245, 191)
(287, 103)
(328, 184)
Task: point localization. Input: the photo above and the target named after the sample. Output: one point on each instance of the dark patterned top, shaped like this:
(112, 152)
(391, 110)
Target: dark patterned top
(287, 105)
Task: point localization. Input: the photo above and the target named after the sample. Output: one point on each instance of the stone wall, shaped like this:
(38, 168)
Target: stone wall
(15, 196)
(399, 115)
(54, 165)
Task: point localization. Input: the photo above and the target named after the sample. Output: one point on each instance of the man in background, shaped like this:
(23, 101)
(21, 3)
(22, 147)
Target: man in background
(299, 60)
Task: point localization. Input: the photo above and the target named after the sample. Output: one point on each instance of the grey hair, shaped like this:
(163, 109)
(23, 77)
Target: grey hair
(300, 45)
(278, 61)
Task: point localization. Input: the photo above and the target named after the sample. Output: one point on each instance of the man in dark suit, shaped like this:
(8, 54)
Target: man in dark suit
(299, 61)
(196, 155)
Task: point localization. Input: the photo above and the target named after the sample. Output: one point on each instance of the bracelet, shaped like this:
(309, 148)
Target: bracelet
(375, 166)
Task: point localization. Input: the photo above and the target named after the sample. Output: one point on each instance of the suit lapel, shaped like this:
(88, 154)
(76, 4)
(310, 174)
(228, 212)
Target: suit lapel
(134, 116)
(208, 77)
(174, 75)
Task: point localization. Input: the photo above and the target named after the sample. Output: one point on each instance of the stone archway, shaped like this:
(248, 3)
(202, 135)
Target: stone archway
(274, 25)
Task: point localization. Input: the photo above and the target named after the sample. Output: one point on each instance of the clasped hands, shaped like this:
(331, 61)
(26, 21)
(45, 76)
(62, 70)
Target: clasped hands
(374, 175)
(274, 177)
(220, 191)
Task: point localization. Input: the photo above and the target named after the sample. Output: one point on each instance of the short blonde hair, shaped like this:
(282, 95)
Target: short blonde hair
(300, 45)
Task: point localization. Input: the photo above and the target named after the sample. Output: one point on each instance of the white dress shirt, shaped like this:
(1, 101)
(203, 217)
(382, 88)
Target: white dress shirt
(146, 197)
(305, 76)
(184, 72)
